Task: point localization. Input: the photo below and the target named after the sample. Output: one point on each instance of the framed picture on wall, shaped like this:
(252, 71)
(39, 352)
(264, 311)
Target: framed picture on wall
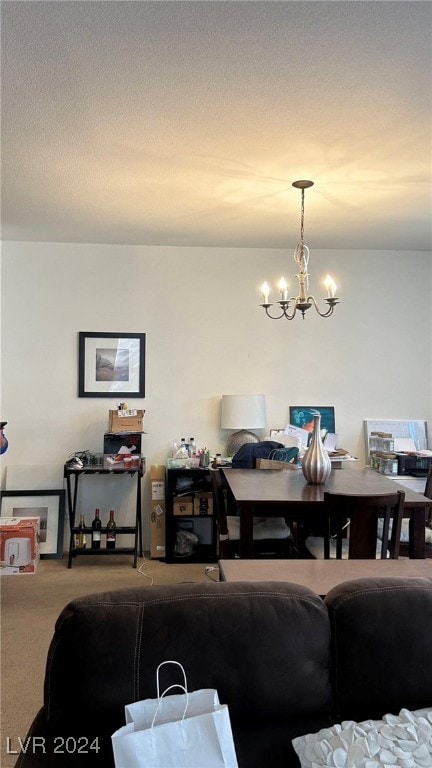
(302, 416)
(49, 506)
(111, 364)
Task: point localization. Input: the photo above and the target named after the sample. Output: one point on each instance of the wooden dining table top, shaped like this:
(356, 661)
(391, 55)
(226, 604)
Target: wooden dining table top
(256, 486)
(321, 575)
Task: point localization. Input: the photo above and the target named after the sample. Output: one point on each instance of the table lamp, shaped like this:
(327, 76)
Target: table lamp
(242, 413)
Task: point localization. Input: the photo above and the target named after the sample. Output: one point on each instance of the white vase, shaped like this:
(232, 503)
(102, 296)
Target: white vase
(316, 464)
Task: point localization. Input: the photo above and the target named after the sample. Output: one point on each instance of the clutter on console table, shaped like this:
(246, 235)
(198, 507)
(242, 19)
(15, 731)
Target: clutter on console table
(185, 454)
(122, 442)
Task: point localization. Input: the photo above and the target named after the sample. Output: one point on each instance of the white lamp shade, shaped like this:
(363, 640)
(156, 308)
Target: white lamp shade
(243, 412)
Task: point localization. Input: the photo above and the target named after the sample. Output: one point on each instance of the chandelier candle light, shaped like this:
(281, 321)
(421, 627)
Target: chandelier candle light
(303, 301)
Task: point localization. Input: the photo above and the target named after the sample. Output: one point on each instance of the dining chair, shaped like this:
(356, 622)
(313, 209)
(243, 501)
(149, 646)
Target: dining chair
(404, 546)
(428, 492)
(271, 535)
(352, 523)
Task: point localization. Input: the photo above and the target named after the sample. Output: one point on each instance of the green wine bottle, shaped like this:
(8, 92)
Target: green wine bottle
(111, 532)
(81, 541)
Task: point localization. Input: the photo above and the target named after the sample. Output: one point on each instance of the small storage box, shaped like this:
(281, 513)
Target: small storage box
(203, 504)
(183, 505)
(19, 545)
(388, 465)
(126, 421)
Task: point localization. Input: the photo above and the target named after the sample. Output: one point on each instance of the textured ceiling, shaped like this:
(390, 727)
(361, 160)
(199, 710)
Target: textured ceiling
(185, 123)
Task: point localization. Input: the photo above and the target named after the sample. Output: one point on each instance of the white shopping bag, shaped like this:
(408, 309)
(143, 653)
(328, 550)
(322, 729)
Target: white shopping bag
(188, 730)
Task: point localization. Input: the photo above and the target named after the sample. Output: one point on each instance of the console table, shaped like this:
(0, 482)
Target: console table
(72, 479)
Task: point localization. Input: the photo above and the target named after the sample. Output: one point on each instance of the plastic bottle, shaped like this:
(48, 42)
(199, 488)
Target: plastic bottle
(192, 447)
(182, 452)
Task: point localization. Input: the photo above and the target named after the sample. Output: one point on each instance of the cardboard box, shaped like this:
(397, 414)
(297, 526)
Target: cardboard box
(19, 545)
(126, 421)
(113, 443)
(183, 506)
(271, 464)
(157, 512)
(203, 504)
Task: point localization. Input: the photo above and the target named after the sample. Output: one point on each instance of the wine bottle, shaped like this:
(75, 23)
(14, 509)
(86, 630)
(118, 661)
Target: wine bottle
(81, 536)
(96, 531)
(111, 531)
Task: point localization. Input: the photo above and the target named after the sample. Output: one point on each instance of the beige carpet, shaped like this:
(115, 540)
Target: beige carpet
(30, 606)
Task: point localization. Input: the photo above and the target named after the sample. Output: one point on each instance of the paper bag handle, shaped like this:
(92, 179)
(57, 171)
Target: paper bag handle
(157, 676)
(170, 687)
(176, 685)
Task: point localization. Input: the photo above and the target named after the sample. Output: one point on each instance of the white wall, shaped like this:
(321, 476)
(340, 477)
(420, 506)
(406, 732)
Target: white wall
(207, 336)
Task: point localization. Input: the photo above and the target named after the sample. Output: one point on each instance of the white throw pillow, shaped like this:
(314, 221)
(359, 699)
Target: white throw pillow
(403, 740)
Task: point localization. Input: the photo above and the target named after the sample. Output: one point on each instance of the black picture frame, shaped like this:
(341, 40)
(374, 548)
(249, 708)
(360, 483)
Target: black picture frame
(302, 416)
(49, 506)
(111, 364)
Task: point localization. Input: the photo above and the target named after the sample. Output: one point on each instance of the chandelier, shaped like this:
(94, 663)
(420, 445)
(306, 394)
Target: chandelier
(289, 306)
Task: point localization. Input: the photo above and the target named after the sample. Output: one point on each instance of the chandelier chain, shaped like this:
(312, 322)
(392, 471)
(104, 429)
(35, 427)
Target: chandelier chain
(302, 220)
(301, 254)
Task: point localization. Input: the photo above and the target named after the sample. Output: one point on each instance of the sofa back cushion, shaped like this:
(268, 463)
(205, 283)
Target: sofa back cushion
(381, 646)
(265, 647)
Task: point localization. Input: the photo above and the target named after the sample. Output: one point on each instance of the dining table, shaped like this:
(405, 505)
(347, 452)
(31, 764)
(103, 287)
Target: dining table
(285, 492)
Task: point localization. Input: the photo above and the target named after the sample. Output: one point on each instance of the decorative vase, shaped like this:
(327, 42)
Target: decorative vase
(316, 464)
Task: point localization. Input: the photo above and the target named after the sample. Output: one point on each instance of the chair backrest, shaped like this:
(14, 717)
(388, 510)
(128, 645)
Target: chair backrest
(428, 486)
(220, 511)
(364, 512)
(428, 493)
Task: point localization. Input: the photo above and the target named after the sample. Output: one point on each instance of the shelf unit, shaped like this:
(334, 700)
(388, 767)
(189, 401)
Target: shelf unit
(72, 477)
(198, 480)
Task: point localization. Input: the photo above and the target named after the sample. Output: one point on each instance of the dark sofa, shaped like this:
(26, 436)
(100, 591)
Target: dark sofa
(285, 661)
